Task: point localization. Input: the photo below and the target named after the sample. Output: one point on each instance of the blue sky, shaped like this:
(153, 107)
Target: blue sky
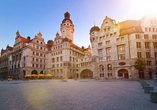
(32, 16)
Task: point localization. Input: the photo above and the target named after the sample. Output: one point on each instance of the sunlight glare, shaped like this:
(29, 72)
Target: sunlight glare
(148, 6)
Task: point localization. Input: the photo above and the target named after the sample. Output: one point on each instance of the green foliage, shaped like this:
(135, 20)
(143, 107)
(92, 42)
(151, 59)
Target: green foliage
(140, 64)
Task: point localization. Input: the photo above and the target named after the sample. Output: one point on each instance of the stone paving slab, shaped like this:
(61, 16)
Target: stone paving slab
(74, 95)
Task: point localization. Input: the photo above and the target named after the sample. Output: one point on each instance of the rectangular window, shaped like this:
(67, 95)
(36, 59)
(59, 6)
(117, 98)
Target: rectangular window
(147, 54)
(122, 39)
(103, 37)
(155, 54)
(108, 50)
(37, 65)
(107, 36)
(155, 45)
(100, 44)
(60, 58)
(108, 58)
(100, 38)
(146, 36)
(139, 55)
(148, 63)
(100, 59)
(117, 40)
(154, 36)
(100, 51)
(57, 59)
(149, 29)
(121, 48)
(121, 56)
(53, 60)
(138, 44)
(53, 66)
(156, 63)
(146, 44)
(137, 36)
(107, 42)
(146, 29)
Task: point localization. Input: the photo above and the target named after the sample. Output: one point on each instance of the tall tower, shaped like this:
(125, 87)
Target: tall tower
(67, 27)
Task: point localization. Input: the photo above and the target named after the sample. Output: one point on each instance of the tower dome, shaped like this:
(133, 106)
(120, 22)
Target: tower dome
(94, 28)
(66, 17)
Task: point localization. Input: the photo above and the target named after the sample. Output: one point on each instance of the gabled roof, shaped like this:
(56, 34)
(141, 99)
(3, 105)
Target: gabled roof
(23, 39)
(75, 46)
(130, 26)
(10, 48)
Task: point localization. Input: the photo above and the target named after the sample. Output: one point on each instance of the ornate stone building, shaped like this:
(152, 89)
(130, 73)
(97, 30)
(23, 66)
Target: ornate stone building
(113, 51)
(118, 45)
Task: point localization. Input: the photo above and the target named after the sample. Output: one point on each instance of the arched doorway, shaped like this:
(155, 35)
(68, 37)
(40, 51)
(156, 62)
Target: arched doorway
(123, 73)
(34, 72)
(41, 72)
(85, 74)
(24, 73)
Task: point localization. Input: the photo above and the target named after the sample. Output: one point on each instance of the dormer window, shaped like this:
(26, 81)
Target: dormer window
(37, 41)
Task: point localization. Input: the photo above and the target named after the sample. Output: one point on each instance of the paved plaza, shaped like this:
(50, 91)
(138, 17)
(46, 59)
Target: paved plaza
(74, 95)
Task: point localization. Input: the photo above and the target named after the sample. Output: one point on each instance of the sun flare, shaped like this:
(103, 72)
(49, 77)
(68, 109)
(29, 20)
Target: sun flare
(147, 6)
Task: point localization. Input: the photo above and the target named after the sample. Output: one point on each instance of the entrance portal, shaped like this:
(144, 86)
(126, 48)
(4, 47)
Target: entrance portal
(123, 73)
(86, 74)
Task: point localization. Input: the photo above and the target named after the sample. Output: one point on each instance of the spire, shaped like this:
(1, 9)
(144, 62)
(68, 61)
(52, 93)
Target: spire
(94, 23)
(67, 9)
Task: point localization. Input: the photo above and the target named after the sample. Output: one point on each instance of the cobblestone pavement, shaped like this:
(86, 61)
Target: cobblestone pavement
(74, 95)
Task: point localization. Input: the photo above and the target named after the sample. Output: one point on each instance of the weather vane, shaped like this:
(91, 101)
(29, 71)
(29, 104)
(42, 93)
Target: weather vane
(67, 9)
(94, 23)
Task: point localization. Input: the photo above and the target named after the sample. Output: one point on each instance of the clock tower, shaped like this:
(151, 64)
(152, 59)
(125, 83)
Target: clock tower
(67, 27)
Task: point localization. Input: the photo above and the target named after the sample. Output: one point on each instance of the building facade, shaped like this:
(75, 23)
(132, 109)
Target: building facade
(118, 45)
(113, 51)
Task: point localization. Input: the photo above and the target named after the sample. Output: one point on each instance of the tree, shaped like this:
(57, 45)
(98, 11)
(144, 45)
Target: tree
(139, 64)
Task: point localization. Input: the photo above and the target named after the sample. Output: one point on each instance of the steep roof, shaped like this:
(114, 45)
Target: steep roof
(75, 46)
(23, 39)
(130, 26)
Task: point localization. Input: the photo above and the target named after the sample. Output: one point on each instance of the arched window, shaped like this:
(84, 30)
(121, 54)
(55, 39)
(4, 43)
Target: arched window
(101, 68)
(109, 67)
